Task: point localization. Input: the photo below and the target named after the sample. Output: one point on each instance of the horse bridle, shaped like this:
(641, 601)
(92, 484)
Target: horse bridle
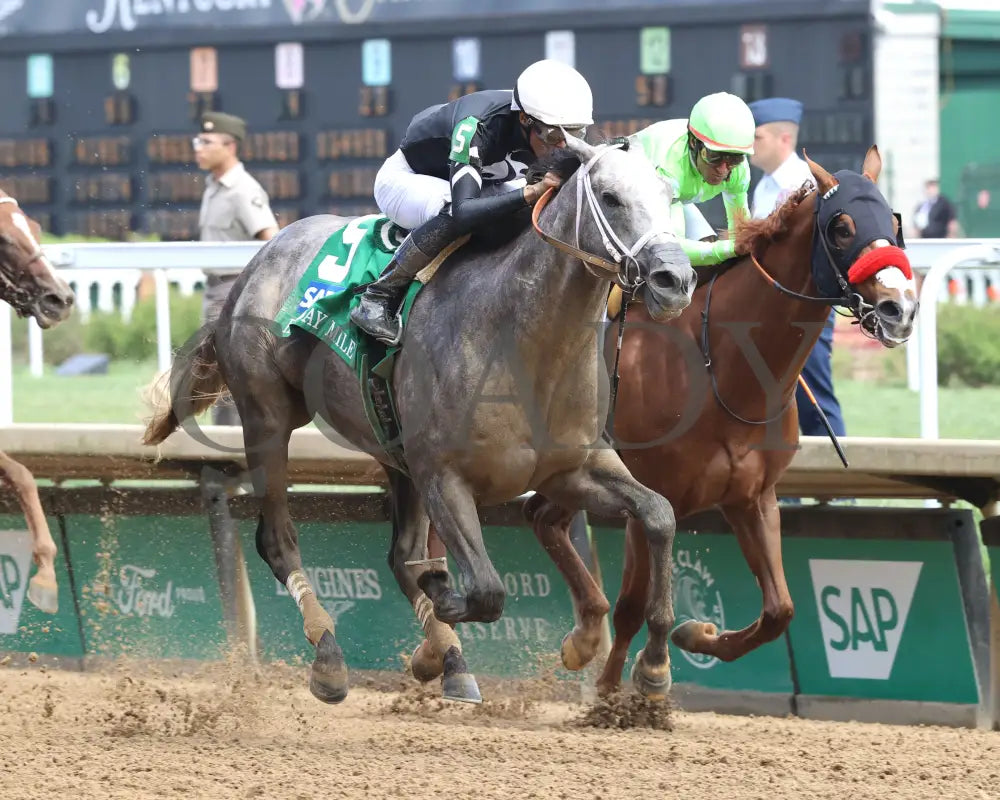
(626, 275)
(860, 308)
(853, 301)
(17, 296)
(624, 269)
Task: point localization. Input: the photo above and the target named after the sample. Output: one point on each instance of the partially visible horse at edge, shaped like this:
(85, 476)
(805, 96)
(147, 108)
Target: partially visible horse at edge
(519, 321)
(30, 286)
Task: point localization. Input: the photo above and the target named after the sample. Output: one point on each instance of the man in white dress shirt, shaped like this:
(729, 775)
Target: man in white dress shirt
(775, 140)
(774, 145)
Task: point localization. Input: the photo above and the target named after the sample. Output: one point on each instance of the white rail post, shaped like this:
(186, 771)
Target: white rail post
(163, 349)
(929, 293)
(6, 368)
(913, 358)
(35, 351)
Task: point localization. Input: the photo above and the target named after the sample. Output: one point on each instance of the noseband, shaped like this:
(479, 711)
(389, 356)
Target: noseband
(624, 269)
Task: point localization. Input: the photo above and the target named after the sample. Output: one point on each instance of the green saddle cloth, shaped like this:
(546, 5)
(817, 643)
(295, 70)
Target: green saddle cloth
(321, 304)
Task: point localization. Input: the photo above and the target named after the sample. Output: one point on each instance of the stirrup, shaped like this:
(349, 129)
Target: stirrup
(388, 342)
(394, 342)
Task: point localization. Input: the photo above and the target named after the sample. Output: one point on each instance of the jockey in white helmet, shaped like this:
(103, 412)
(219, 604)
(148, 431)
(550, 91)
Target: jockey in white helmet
(461, 165)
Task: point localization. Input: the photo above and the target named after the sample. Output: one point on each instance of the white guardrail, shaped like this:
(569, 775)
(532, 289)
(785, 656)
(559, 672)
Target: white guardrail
(183, 262)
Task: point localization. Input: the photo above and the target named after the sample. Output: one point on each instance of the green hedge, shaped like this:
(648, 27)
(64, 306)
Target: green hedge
(108, 333)
(135, 340)
(968, 345)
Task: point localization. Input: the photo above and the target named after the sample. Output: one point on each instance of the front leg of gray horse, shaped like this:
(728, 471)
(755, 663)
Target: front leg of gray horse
(452, 510)
(440, 653)
(603, 486)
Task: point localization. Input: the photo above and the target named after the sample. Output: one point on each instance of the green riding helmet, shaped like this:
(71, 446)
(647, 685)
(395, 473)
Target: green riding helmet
(723, 122)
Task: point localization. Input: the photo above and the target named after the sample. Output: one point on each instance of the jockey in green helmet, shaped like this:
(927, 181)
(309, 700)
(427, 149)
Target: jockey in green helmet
(701, 157)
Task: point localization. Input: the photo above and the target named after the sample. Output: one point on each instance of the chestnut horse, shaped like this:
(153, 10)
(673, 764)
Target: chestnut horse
(724, 425)
(705, 411)
(31, 287)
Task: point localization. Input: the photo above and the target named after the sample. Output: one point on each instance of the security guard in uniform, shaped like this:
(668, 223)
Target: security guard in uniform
(234, 208)
(775, 140)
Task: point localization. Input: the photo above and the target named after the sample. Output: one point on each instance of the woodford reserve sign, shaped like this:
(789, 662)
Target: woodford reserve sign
(48, 17)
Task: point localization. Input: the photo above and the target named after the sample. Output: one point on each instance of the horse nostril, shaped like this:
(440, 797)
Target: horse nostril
(665, 280)
(890, 311)
(57, 301)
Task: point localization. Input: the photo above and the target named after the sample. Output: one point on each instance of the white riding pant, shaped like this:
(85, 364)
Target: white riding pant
(410, 199)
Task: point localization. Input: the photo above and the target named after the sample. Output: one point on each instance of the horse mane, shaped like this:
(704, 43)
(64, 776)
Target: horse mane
(752, 232)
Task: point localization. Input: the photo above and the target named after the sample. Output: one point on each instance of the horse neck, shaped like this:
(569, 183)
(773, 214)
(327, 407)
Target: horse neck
(570, 300)
(775, 314)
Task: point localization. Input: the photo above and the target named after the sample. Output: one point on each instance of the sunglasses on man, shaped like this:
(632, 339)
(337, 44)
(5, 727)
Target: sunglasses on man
(201, 141)
(553, 134)
(714, 158)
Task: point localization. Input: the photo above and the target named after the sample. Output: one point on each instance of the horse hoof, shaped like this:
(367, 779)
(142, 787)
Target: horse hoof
(424, 664)
(461, 688)
(572, 659)
(450, 607)
(688, 635)
(654, 685)
(44, 594)
(328, 679)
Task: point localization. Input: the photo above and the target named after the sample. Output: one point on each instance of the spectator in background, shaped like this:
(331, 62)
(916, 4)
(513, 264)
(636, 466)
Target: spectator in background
(234, 208)
(775, 140)
(935, 217)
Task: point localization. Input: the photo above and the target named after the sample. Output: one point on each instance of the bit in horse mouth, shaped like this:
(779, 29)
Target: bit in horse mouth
(885, 338)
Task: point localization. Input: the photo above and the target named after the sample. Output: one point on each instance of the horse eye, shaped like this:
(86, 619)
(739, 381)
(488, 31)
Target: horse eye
(611, 199)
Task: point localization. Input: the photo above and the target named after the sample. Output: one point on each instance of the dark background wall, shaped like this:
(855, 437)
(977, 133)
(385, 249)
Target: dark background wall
(77, 172)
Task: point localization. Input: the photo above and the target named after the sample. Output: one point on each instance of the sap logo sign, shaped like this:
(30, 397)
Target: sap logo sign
(863, 607)
(316, 292)
(15, 564)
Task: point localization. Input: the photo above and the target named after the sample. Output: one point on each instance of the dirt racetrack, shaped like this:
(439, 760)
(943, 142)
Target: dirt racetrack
(131, 733)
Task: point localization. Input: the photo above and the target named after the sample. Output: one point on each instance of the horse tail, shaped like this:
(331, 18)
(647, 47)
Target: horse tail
(186, 389)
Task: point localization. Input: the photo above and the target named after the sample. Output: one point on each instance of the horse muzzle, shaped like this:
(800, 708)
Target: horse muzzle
(52, 307)
(892, 322)
(670, 281)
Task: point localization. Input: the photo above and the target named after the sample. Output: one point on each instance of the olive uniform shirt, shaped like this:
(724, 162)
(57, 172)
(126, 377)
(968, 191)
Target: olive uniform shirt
(234, 208)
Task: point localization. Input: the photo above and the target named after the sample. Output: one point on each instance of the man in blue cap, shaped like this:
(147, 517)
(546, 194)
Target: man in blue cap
(775, 140)
(777, 120)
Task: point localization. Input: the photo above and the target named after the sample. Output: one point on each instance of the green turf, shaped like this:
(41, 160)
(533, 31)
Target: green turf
(114, 397)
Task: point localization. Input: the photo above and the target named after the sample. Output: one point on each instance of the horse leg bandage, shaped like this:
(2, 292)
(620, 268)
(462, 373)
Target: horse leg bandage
(440, 635)
(315, 619)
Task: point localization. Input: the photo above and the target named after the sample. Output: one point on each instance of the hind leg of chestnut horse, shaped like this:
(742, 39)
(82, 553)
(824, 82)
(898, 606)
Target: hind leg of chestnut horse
(603, 486)
(551, 524)
(629, 606)
(757, 525)
(42, 588)
(440, 653)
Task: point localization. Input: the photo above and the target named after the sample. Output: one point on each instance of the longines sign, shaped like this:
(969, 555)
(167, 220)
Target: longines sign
(94, 17)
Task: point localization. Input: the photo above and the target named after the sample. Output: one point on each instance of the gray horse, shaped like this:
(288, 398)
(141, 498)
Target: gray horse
(499, 391)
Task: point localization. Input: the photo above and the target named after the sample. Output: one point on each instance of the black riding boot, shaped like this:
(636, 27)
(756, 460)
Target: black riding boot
(377, 313)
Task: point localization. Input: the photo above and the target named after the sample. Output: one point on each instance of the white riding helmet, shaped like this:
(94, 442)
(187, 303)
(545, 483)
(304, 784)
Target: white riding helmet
(554, 94)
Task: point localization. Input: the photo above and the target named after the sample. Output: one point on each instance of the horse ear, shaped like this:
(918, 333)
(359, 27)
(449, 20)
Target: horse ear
(580, 148)
(872, 165)
(824, 180)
